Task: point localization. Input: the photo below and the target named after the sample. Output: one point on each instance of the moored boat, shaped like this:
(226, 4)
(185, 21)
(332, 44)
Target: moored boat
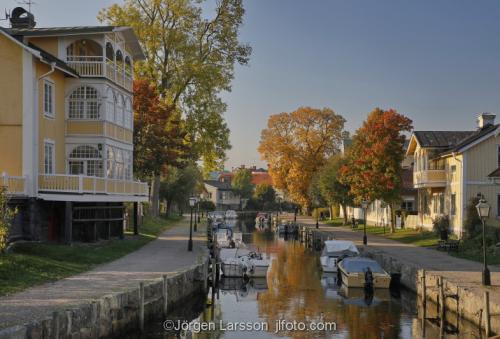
(334, 251)
(230, 214)
(241, 262)
(356, 272)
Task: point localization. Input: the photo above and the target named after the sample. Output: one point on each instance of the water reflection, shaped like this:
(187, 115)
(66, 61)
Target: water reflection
(297, 290)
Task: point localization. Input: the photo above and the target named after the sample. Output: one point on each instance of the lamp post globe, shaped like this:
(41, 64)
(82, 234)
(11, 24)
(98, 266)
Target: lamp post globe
(483, 210)
(192, 202)
(364, 205)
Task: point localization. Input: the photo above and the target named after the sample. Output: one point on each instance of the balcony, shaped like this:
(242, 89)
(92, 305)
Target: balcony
(80, 184)
(99, 128)
(429, 178)
(100, 66)
(15, 186)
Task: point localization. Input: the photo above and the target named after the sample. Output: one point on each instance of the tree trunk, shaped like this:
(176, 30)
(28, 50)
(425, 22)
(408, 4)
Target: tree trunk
(155, 196)
(331, 212)
(391, 213)
(169, 208)
(344, 211)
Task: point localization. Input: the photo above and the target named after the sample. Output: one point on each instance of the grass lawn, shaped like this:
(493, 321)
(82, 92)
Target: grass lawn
(335, 222)
(36, 263)
(408, 236)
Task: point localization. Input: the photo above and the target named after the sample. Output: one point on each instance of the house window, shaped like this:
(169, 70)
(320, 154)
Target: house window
(407, 206)
(84, 103)
(453, 204)
(441, 203)
(425, 203)
(49, 157)
(48, 99)
(85, 160)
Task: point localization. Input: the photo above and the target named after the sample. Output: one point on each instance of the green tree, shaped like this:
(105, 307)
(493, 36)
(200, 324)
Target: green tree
(179, 184)
(331, 187)
(242, 183)
(6, 215)
(191, 58)
(265, 193)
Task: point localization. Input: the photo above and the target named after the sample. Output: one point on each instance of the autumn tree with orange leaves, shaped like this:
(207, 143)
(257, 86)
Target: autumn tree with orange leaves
(373, 170)
(296, 144)
(158, 136)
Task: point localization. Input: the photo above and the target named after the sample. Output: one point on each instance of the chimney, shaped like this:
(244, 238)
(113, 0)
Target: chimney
(21, 18)
(485, 119)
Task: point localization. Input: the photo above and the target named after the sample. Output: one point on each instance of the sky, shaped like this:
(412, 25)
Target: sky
(437, 62)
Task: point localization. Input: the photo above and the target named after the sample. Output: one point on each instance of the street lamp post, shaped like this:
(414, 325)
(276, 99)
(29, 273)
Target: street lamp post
(483, 210)
(195, 214)
(192, 202)
(198, 209)
(364, 205)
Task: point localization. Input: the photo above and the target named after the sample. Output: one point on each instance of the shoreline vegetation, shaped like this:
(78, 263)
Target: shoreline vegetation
(30, 264)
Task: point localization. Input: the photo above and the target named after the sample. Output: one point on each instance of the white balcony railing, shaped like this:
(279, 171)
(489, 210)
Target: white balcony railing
(429, 178)
(13, 185)
(98, 66)
(66, 183)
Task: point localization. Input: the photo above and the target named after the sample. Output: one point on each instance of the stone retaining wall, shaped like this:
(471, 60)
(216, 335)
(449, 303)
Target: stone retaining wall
(459, 300)
(114, 314)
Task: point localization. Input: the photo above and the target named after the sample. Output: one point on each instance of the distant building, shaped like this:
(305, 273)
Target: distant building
(222, 195)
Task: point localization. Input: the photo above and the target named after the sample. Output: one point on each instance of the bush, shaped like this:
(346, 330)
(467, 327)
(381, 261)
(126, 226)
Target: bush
(336, 210)
(6, 216)
(441, 225)
(472, 223)
(323, 211)
(207, 205)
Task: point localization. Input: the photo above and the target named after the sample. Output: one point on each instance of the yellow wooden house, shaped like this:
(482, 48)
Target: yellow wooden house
(453, 167)
(66, 127)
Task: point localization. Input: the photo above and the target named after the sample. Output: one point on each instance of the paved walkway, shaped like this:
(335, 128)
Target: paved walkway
(165, 255)
(460, 271)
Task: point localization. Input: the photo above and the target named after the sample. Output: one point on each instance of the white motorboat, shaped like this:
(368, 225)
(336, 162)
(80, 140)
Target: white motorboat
(223, 237)
(231, 214)
(353, 273)
(241, 262)
(334, 251)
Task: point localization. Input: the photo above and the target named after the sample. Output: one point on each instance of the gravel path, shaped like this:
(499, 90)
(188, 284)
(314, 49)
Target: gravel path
(165, 255)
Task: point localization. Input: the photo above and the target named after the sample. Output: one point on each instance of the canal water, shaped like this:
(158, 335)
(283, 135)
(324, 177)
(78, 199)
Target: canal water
(297, 300)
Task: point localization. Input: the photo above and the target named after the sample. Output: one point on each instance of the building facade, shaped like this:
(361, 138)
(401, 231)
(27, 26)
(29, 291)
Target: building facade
(222, 195)
(66, 128)
(452, 168)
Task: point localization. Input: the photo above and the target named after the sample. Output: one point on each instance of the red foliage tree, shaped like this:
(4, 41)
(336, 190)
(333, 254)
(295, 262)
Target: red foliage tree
(373, 170)
(159, 137)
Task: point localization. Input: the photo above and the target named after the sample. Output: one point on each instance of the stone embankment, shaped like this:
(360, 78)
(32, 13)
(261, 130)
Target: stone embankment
(452, 284)
(117, 313)
(114, 298)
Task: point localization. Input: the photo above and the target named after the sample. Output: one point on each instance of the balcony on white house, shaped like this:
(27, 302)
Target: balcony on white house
(90, 59)
(429, 173)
